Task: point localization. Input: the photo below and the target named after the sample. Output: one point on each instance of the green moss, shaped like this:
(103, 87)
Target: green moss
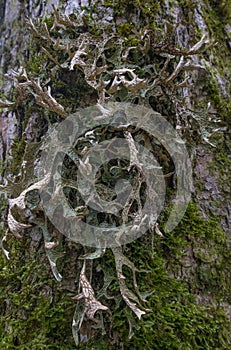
(123, 8)
(222, 9)
(210, 250)
(33, 316)
(177, 321)
(17, 152)
(130, 11)
(36, 314)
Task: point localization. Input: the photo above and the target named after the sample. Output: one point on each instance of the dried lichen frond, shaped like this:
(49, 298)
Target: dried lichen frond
(5, 252)
(17, 207)
(95, 255)
(27, 176)
(133, 151)
(104, 78)
(61, 21)
(132, 84)
(166, 45)
(91, 304)
(6, 103)
(25, 206)
(129, 297)
(108, 62)
(14, 225)
(26, 86)
(51, 254)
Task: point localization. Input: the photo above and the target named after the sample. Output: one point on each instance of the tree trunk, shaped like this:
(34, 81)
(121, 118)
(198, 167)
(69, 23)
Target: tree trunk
(172, 57)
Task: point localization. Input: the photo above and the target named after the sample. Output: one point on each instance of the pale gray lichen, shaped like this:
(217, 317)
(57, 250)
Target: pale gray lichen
(26, 86)
(106, 63)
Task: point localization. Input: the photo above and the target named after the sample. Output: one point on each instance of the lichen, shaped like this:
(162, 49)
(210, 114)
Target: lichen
(121, 65)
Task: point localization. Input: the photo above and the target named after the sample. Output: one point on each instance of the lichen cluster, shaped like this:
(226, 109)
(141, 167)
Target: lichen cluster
(116, 64)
